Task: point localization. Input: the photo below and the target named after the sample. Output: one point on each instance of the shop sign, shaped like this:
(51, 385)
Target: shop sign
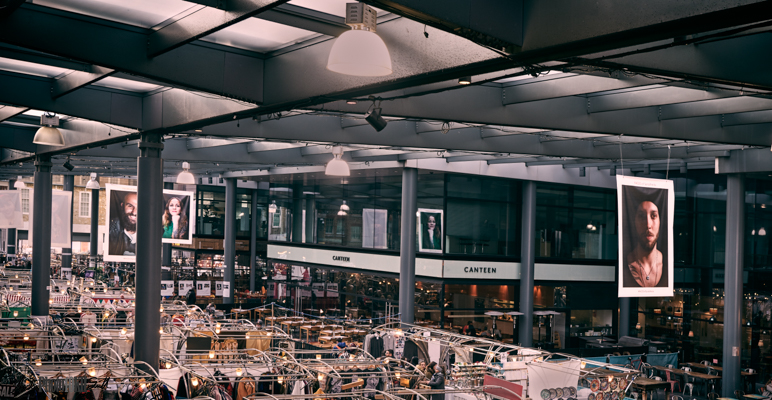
(481, 270)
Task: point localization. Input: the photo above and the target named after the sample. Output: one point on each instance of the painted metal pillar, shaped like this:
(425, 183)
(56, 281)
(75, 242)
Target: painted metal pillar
(253, 241)
(297, 212)
(733, 283)
(407, 245)
(149, 236)
(624, 316)
(166, 252)
(10, 246)
(527, 254)
(230, 239)
(41, 238)
(68, 186)
(94, 232)
(310, 218)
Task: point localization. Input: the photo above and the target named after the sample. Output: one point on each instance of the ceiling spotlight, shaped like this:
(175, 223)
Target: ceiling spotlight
(373, 117)
(48, 134)
(336, 166)
(351, 102)
(93, 183)
(19, 184)
(69, 166)
(185, 177)
(360, 52)
(465, 80)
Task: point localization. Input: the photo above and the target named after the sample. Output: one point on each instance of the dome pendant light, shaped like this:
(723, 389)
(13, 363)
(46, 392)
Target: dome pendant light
(93, 183)
(185, 177)
(48, 134)
(360, 51)
(337, 167)
(272, 208)
(19, 184)
(344, 208)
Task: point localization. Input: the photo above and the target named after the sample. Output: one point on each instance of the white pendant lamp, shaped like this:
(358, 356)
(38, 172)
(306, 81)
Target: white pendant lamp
(19, 183)
(185, 177)
(93, 183)
(48, 134)
(344, 208)
(272, 208)
(337, 167)
(360, 51)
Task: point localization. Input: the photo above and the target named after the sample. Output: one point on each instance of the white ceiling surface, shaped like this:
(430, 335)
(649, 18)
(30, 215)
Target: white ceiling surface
(126, 84)
(259, 35)
(142, 13)
(24, 67)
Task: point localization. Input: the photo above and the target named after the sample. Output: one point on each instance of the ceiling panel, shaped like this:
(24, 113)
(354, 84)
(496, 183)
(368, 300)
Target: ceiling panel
(143, 13)
(24, 67)
(259, 35)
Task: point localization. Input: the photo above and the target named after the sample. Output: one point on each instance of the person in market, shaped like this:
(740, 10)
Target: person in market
(437, 382)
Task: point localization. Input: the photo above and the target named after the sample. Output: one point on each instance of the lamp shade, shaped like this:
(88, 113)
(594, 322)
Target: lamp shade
(185, 177)
(272, 208)
(19, 184)
(48, 136)
(93, 183)
(337, 167)
(360, 53)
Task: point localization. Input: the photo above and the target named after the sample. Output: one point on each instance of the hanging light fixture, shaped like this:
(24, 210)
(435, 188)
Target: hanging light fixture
(272, 208)
(38, 362)
(48, 134)
(92, 371)
(84, 360)
(360, 51)
(465, 80)
(185, 177)
(19, 184)
(344, 208)
(93, 183)
(336, 166)
(194, 381)
(239, 372)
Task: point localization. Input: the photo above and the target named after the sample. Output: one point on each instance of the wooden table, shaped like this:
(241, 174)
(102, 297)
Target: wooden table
(308, 329)
(753, 396)
(646, 385)
(699, 375)
(238, 311)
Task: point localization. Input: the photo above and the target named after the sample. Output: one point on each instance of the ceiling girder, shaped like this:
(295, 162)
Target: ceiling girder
(202, 22)
(571, 85)
(7, 112)
(78, 79)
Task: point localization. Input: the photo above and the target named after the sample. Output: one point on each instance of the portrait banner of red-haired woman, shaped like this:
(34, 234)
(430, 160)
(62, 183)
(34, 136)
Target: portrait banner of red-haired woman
(430, 230)
(179, 216)
(646, 209)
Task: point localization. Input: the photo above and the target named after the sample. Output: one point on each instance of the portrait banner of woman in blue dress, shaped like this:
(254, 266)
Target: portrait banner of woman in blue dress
(646, 208)
(430, 230)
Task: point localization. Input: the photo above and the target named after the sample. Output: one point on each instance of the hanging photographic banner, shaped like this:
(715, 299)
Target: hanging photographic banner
(430, 230)
(167, 288)
(177, 221)
(646, 209)
(203, 288)
(184, 287)
(11, 216)
(61, 219)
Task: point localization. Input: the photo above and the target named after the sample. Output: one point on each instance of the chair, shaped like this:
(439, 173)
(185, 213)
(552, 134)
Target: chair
(671, 366)
(676, 397)
(673, 383)
(713, 372)
(738, 394)
(705, 363)
(712, 396)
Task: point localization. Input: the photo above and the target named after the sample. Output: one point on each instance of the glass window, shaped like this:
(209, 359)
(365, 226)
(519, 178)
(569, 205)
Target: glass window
(84, 208)
(25, 201)
(211, 211)
(481, 296)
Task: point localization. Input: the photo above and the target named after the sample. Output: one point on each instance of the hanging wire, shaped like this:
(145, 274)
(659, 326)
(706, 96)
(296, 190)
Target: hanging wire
(667, 171)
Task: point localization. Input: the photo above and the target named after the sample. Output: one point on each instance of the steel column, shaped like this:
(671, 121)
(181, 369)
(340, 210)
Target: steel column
(407, 245)
(94, 233)
(230, 239)
(10, 246)
(624, 316)
(253, 242)
(733, 283)
(149, 237)
(68, 186)
(41, 238)
(297, 212)
(527, 250)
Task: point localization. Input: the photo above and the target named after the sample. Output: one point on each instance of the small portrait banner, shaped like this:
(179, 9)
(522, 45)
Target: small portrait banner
(430, 234)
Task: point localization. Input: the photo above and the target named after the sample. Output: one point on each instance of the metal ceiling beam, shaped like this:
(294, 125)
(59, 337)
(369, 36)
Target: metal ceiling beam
(735, 61)
(7, 112)
(202, 22)
(715, 107)
(653, 97)
(482, 104)
(571, 85)
(92, 103)
(91, 40)
(78, 79)
(304, 18)
(7, 7)
(204, 143)
(754, 160)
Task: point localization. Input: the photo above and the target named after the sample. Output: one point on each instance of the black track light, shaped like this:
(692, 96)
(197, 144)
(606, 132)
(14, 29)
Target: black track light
(69, 166)
(373, 117)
